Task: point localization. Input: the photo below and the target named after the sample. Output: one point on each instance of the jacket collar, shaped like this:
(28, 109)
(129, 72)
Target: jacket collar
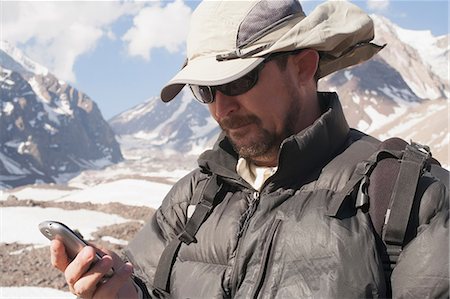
(299, 155)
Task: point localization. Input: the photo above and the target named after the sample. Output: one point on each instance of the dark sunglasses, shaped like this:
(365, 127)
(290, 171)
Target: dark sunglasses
(207, 94)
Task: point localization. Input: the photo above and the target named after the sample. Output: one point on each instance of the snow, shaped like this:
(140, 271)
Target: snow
(4, 74)
(127, 191)
(206, 129)
(37, 90)
(424, 92)
(362, 125)
(33, 293)
(400, 96)
(423, 41)
(21, 58)
(186, 99)
(198, 147)
(132, 192)
(404, 126)
(138, 111)
(62, 104)
(114, 240)
(37, 193)
(348, 75)
(379, 120)
(50, 129)
(26, 230)
(52, 115)
(425, 44)
(444, 142)
(7, 108)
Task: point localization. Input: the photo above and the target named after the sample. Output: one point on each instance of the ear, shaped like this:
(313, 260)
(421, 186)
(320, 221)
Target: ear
(306, 63)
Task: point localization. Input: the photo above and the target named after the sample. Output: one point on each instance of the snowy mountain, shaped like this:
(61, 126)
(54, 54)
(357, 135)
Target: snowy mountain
(421, 58)
(48, 129)
(182, 125)
(403, 91)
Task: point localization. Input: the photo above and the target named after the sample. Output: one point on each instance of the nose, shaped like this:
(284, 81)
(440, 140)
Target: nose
(223, 105)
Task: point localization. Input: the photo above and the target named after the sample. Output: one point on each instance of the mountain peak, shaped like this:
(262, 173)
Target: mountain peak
(414, 47)
(19, 57)
(49, 130)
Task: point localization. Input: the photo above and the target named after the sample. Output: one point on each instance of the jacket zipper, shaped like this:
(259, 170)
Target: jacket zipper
(242, 230)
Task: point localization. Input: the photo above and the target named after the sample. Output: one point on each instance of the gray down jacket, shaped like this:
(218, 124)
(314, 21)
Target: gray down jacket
(280, 242)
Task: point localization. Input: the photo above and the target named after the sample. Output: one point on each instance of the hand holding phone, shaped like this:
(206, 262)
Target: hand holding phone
(118, 286)
(72, 241)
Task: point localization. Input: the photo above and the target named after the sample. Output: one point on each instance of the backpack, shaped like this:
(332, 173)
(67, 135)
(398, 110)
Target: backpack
(384, 185)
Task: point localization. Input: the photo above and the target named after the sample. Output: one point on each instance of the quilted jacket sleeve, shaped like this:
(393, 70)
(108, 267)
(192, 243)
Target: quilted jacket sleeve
(168, 221)
(422, 270)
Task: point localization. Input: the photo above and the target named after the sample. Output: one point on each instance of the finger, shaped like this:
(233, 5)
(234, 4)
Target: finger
(58, 256)
(79, 265)
(119, 284)
(87, 285)
(118, 262)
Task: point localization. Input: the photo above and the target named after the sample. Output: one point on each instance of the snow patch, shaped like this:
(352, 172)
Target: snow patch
(133, 192)
(348, 75)
(26, 230)
(362, 125)
(127, 191)
(34, 293)
(115, 241)
(7, 108)
(399, 96)
(21, 58)
(356, 99)
(52, 130)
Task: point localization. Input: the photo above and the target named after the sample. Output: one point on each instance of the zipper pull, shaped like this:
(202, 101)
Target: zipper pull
(255, 196)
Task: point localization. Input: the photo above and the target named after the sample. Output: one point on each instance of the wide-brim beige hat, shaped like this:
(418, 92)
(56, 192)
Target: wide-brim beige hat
(228, 39)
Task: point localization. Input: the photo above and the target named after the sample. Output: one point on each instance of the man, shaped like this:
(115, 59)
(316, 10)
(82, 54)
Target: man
(286, 152)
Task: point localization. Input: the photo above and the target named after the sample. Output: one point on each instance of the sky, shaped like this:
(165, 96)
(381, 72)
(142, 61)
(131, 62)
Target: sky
(122, 53)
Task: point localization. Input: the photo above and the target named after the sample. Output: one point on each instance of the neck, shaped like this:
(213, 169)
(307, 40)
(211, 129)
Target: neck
(267, 159)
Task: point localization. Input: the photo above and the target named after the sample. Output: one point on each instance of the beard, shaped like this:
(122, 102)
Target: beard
(259, 143)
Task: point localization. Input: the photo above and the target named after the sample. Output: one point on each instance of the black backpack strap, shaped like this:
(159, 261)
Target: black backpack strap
(360, 181)
(414, 162)
(206, 196)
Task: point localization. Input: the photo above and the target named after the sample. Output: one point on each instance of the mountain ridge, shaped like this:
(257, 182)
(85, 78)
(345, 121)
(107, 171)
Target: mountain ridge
(49, 130)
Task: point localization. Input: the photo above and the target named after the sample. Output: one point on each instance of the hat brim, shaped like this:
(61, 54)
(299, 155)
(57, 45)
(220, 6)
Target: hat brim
(208, 71)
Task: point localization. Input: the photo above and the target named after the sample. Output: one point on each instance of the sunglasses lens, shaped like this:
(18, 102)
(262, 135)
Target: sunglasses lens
(241, 85)
(204, 94)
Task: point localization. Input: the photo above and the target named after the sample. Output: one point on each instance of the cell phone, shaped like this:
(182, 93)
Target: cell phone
(72, 241)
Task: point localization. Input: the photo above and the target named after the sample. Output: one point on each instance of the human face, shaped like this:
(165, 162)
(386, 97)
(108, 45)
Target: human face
(257, 121)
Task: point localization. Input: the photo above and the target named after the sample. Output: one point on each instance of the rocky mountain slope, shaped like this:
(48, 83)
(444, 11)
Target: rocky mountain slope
(48, 129)
(402, 92)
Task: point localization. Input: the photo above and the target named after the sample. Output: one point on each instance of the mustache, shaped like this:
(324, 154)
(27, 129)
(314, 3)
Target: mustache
(235, 122)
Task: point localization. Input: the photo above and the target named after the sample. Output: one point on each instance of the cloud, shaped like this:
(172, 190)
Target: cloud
(379, 5)
(56, 33)
(158, 27)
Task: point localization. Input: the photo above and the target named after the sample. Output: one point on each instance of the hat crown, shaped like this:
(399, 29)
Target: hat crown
(229, 38)
(224, 26)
